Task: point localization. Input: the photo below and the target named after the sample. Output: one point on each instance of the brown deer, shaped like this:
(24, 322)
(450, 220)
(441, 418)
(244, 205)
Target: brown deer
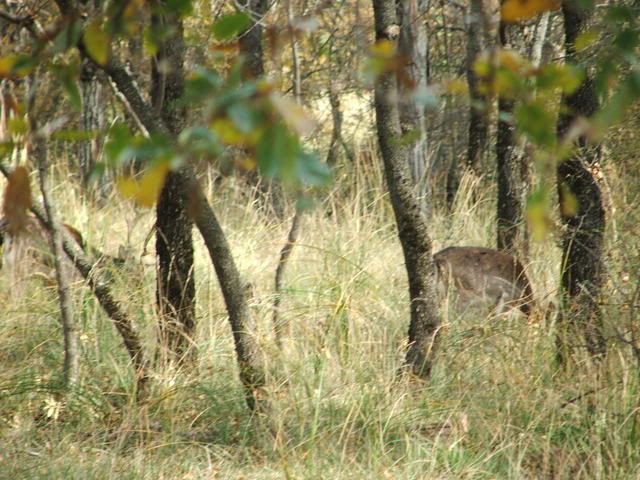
(484, 276)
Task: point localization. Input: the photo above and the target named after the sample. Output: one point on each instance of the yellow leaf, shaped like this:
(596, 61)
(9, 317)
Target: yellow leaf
(293, 114)
(230, 135)
(6, 65)
(585, 40)
(384, 49)
(482, 66)
(97, 42)
(511, 60)
(568, 202)
(456, 86)
(145, 191)
(518, 10)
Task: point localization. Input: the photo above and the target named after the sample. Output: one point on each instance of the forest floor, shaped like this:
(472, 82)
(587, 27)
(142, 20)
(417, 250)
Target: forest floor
(496, 407)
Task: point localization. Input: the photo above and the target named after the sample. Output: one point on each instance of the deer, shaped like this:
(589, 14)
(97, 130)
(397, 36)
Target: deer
(484, 276)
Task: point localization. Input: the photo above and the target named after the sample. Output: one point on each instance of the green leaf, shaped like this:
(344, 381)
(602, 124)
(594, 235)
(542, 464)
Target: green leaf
(67, 75)
(565, 77)
(97, 42)
(276, 153)
(311, 170)
(536, 123)
(243, 117)
(230, 25)
(200, 140)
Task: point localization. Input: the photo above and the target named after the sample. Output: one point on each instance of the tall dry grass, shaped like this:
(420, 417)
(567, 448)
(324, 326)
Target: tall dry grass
(497, 406)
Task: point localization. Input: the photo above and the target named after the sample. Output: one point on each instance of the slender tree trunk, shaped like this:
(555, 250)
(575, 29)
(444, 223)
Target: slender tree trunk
(510, 218)
(478, 110)
(70, 328)
(268, 192)
(100, 287)
(91, 119)
(249, 360)
(174, 242)
(412, 227)
(582, 243)
(413, 76)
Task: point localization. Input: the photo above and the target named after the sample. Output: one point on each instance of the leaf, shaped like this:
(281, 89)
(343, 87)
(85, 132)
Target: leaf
(536, 123)
(145, 191)
(17, 200)
(230, 25)
(229, 134)
(518, 10)
(276, 153)
(569, 204)
(538, 219)
(16, 66)
(293, 114)
(200, 140)
(67, 75)
(97, 42)
(311, 170)
(585, 39)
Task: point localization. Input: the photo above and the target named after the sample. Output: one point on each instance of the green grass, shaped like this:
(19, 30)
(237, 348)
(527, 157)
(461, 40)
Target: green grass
(495, 408)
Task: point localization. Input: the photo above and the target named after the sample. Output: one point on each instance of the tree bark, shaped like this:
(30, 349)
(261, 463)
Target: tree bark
(101, 290)
(412, 227)
(413, 47)
(174, 240)
(268, 192)
(582, 243)
(510, 219)
(478, 110)
(70, 330)
(91, 120)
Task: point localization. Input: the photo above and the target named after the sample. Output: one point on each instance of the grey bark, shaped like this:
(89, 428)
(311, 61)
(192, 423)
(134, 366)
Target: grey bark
(583, 238)
(91, 119)
(412, 226)
(70, 330)
(413, 77)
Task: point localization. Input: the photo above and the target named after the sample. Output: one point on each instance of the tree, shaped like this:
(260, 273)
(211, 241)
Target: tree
(412, 227)
(581, 207)
(174, 243)
(479, 108)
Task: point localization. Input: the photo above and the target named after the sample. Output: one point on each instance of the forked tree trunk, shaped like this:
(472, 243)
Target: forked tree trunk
(412, 227)
(582, 243)
(174, 242)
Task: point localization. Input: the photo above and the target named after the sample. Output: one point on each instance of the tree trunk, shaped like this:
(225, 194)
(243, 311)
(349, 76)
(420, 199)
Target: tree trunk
(412, 47)
(582, 243)
(412, 227)
(250, 364)
(70, 328)
(478, 110)
(268, 192)
(174, 242)
(92, 120)
(510, 218)
(100, 288)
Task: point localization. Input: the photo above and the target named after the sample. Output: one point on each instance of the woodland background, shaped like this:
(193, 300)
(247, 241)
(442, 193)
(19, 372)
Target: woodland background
(239, 307)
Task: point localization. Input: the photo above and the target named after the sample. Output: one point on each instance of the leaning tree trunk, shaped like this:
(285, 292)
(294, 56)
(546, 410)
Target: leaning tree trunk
(174, 242)
(413, 47)
(582, 243)
(478, 110)
(70, 330)
(412, 227)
